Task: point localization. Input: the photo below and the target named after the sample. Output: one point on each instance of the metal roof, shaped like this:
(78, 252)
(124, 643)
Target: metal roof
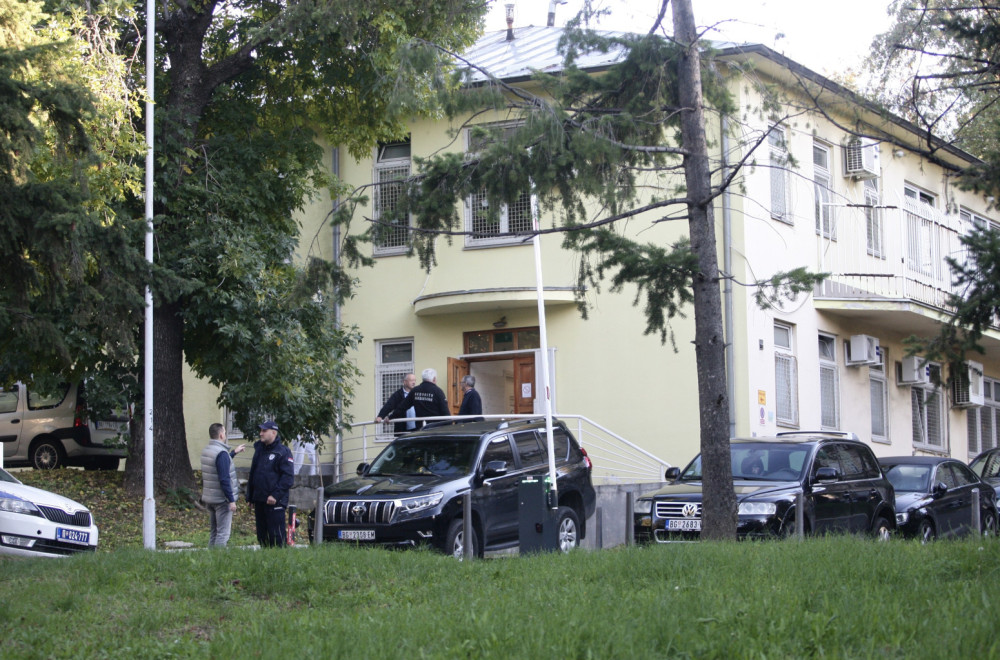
(532, 49)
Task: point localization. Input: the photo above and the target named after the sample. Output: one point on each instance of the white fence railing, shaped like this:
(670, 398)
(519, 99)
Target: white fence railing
(615, 459)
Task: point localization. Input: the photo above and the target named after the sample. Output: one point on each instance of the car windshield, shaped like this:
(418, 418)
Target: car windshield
(760, 461)
(441, 456)
(8, 477)
(909, 478)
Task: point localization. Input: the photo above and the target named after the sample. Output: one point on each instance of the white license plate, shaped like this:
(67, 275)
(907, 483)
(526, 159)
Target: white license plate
(684, 525)
(72, 536)
(109, 426)
(356, 534)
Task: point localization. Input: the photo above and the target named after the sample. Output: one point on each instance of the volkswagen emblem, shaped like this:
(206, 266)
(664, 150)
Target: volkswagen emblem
(690, 510)
(358, 510)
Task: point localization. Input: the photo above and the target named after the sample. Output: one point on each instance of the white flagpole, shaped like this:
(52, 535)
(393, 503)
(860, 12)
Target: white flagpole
(149, 503)
(544, 343)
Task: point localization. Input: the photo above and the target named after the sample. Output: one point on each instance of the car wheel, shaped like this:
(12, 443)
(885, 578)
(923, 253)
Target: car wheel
(989, 524)
(569, 529)
(926, 532)
(455, 542)
(47, 454)
(881, 529)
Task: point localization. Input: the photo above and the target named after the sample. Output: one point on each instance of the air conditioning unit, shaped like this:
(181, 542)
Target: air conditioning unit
(913, 371)
(967, 386)
(861, 159)
(862, 350)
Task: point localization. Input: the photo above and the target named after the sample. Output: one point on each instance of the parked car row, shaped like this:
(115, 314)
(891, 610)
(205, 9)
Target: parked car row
(842, 486)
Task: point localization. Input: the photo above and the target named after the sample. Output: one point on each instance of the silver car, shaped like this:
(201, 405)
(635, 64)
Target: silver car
(37, 523)
(50, 430)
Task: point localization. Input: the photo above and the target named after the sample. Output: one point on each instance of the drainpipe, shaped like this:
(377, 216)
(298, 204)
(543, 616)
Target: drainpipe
(727, 290)
(338, 440)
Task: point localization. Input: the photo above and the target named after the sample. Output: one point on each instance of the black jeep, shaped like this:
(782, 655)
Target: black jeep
(412, 492)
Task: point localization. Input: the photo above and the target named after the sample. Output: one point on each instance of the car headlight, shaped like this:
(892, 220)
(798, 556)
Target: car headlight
(643, 506)
(13, 505)
(414, 504)
(901, 518)
(757, 508)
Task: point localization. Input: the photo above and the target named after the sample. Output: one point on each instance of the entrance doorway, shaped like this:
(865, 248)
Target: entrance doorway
(508, 383)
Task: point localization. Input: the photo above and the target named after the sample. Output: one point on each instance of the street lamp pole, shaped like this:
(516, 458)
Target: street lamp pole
(149, 503)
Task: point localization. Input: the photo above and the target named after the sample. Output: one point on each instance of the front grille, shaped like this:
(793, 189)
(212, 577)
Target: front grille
(675, 509)
(78, 519)
(359, 512)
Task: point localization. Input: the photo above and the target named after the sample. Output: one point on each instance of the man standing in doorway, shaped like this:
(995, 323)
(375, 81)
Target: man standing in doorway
(472, 403)
(409, 382)
(426, 399)
(218, 484)
(270, 480)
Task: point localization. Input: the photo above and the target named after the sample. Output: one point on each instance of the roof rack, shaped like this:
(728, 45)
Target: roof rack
(849, 435)
(507, 423)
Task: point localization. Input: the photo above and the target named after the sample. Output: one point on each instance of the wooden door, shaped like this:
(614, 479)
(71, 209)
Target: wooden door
(457, 370)
(524, 385)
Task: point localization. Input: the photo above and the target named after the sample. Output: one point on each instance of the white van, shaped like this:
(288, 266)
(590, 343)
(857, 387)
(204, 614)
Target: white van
(51, 430)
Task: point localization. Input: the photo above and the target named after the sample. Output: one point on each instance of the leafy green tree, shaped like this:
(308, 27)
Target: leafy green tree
(70, 291)
(590, 147)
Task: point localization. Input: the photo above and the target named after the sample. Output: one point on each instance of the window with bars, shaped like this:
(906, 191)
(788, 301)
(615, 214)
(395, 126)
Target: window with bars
(232, 432)
(786, 405)
(778, 163)
(829, 384)
(507, 224)
(928, 414)
(392, 168)
(879, 398)
(921, 235)
(393, 360)
(984, 421)
(822, 183)
(873, 219)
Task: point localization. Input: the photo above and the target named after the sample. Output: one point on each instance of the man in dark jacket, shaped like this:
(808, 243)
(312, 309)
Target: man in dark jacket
(271, 478)
(409, 382)
(426, 399)
(472, 403)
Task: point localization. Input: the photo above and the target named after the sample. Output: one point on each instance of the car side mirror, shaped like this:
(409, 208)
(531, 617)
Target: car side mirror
(672, 473)
(825, 475)
(939, 489)
(494, 469)
(363, 469)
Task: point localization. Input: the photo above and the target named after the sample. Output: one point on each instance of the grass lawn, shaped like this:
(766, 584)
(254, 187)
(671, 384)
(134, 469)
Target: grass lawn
(840, 597)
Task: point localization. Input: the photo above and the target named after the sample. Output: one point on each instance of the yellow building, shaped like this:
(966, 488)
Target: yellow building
(875, 215)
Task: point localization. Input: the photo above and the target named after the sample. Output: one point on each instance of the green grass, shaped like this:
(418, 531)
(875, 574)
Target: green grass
(834, 597)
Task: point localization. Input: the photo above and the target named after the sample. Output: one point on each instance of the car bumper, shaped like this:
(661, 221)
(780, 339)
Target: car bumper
(410, 532)
(649, 529)
(31, 536)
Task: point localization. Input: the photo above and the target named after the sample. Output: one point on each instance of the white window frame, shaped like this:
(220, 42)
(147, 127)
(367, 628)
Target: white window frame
(389, 378)
(826, 220)
(923, 249)
(385, 171)
(983, 420)
(777, 140)
(232, 432)
(503, 237)
(829, 383)
(926, 403)
(787, 413)
(874, 231)
(878, 387)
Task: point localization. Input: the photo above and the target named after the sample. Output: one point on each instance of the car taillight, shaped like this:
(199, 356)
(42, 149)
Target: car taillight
(586, 459)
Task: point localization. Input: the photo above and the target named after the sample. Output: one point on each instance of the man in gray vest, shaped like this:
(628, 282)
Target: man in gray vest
(218, 490)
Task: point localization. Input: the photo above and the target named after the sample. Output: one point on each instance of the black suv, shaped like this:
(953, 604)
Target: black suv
(843, 486)
(412, 492)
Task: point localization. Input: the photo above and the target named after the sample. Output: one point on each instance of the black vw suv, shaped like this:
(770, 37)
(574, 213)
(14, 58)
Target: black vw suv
(412, 492)
(843, 488)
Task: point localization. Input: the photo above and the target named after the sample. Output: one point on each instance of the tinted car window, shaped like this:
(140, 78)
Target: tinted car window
(852, 460)
(41, 400)
(447, 455)
(8, 401)
(909, 478)
(963, 475)
(945, 476)
(826, 457)
(560, 444)
(528, 449)
(499, 450)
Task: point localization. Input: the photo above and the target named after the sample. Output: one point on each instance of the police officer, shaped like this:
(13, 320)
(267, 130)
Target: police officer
(271, 477)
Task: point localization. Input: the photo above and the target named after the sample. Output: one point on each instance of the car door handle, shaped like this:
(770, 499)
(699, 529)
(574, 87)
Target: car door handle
(15, 421)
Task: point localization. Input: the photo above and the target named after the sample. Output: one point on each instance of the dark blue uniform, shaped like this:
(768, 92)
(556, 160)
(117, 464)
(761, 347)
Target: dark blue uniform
(271, 474)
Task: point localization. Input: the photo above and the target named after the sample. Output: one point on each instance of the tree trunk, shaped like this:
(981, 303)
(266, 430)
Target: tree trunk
(171, 461)
(719, 504)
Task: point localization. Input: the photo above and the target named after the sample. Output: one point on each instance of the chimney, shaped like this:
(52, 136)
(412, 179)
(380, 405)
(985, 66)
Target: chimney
(510, 21)
(552, 11)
